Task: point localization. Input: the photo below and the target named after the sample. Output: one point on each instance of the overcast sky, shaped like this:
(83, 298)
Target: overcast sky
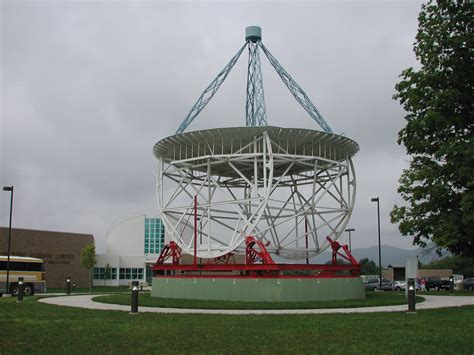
(88, 87)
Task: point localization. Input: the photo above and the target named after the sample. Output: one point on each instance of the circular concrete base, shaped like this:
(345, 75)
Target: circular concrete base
(259, 289)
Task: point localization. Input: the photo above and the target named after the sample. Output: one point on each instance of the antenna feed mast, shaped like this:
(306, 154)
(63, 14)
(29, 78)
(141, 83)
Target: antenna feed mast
(253, 34)
(255, 100)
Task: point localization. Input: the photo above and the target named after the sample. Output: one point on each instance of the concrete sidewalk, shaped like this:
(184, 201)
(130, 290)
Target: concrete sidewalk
(431, 302)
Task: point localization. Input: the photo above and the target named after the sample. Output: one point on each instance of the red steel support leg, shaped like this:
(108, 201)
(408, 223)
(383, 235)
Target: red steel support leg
(335, 252)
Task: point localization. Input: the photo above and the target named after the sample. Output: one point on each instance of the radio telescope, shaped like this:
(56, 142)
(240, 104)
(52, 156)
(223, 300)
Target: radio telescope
(289, 188)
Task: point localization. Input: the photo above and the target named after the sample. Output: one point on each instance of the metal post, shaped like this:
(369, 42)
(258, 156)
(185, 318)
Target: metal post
(306, 237)
(68, 286)
(349, 230)
(195, 232)
(21, 288)
(411, 295)
(200, 230)
(376, 199)
(134, 303)
(9, 188)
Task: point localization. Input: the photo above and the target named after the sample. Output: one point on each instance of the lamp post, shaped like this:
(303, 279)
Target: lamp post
(376, 199)
(9, 188)
(350, 244)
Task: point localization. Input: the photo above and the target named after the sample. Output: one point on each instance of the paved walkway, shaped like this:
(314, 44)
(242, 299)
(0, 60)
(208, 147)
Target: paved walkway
(85, 301)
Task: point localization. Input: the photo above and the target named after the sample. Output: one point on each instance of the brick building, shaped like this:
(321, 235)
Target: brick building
(60, 251)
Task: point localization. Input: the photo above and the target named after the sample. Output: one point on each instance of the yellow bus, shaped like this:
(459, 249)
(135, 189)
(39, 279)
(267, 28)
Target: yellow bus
(31, 269)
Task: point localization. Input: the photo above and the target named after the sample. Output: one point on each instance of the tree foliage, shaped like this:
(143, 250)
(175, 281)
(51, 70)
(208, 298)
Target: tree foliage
(438, 186)
(368, 267)
(459, 265)
(88, 259)
(339, 262)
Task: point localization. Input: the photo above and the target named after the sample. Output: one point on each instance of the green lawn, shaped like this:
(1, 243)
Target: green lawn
(373, 299)
(40, 328)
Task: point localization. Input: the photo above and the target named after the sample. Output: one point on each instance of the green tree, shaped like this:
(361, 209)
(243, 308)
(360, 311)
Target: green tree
(107, 273)
(88, 260)
(368, 267)
(438, 186)
(459, 265)
(339, 262)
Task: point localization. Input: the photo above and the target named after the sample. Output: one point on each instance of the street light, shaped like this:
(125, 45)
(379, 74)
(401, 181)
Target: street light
(350, 230)
(376, 199)
(9, 188)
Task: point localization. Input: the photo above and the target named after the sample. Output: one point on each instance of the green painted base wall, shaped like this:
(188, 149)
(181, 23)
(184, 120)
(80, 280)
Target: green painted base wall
(259, 290)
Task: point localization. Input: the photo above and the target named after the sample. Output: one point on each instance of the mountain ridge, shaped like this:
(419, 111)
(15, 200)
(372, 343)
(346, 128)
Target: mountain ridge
(391, 255)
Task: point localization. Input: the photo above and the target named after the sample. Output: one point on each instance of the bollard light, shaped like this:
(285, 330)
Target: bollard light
(68, 286)
(451, 284)
(411, 296)
(73, 287)
(21, 289)
(134, 303)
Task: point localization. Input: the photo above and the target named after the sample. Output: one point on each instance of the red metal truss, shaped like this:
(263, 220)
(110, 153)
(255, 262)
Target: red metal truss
(259, 263)
(260, 270)
(335, 252)
(254, 255)
(170, 250)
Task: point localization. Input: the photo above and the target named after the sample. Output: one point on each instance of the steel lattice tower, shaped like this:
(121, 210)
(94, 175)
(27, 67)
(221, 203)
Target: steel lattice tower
(255, 99)
(255, 107)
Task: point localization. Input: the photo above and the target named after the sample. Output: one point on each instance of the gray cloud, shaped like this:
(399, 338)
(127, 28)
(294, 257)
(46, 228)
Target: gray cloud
(89, 87)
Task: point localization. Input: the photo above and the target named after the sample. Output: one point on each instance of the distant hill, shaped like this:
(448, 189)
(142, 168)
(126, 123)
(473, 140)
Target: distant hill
(390, 255)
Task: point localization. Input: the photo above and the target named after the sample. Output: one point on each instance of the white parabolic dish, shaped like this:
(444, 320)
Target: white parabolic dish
(288, 187)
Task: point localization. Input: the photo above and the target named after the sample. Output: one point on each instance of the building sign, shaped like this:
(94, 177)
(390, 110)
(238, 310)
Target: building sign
(47, 257)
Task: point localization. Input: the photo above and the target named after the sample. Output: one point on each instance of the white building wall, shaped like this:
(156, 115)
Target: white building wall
(132, 261)
(126, 237)
(151, 258)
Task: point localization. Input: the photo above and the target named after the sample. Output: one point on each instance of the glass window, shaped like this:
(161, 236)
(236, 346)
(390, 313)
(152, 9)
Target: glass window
(154, 235)
(34, 266)
(18, 266)
(98, 273)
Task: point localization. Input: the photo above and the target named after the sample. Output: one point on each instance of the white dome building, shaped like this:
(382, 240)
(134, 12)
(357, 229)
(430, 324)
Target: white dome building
(133, 245)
